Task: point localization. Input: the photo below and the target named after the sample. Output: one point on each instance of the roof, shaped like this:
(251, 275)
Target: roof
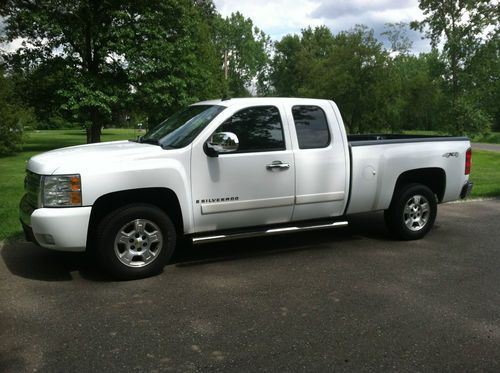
(256, 101)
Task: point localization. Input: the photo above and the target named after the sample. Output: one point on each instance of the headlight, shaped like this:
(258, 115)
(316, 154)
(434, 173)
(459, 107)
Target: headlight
(62, 191)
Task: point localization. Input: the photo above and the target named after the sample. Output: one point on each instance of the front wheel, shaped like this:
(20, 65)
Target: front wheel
(412, 212)
(135, 241)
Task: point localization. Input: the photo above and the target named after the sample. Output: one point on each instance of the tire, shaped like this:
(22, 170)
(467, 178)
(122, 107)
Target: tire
(135, 241)
(412, 212)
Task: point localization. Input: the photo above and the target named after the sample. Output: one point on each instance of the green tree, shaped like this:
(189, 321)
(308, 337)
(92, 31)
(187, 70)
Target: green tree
(350, 68)
(244, 52)
(284, 75)
(460, 26)
(418, 85)
(37, 86)
(396, 34)
(13, 118)
(169, 56)
(146, 56)
(358, 81)
(299, 63)
(483, 78)
(81, 33)
(312, 61)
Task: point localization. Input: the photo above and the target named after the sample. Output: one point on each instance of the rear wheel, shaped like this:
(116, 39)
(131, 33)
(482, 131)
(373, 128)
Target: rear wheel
(412, 212)
(135, 241)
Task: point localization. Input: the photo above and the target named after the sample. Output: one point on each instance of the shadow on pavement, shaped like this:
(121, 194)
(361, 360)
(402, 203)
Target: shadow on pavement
(366, 226)
(27, 260)
(30, 261)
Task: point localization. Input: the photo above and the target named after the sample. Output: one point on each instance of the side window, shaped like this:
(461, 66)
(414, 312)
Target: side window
(258, 128)
(311, 126)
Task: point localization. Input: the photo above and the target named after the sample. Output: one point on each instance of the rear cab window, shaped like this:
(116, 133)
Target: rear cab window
(311, 126)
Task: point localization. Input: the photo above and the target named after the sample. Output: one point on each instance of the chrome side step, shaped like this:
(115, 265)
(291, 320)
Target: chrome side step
(265, 232)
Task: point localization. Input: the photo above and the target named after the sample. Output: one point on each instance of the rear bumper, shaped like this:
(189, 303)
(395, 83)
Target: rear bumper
(63, 229)
(466, 189)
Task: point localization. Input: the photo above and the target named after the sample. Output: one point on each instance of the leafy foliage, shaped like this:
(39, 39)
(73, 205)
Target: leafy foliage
(13, 118)
(350, 68)
(461, 26)
(91, 63)
(396, 33)
(482, 77)
(80, 34)
(380, 89)
(245, 49)
(416, 83)
(99, 62)
(168, 56)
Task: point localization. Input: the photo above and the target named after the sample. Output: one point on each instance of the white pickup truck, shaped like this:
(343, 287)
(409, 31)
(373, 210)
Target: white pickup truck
(235, 168)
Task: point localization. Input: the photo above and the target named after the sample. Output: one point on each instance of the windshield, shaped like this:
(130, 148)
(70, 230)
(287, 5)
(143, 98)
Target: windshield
(181, 128)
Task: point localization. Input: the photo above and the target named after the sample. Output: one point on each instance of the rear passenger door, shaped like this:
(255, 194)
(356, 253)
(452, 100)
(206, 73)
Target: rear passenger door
(321, 164)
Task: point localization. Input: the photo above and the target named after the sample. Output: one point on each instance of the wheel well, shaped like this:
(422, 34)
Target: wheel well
(164, 198)
(434, 178)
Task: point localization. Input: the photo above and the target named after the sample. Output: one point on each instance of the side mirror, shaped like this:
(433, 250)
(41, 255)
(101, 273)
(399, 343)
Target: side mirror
(221, 142)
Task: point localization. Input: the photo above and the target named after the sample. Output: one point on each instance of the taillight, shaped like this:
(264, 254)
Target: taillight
(468, 161)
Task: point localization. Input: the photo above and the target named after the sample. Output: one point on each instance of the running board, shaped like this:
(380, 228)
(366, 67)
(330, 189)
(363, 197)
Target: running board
(265, 232)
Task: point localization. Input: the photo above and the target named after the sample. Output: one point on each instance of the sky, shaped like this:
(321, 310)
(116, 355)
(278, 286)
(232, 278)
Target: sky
(280, 17)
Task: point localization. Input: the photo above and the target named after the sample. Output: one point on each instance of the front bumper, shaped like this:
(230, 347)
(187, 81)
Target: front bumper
(466, 189)
(28, 233)
(63, 229)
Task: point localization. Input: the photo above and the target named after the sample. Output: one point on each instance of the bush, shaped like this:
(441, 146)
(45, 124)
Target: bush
(13, 118)
(12, 121)
(55, 122)
(470, 119)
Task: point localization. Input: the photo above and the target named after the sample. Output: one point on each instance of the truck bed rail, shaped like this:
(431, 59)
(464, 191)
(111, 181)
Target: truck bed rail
(381, 139)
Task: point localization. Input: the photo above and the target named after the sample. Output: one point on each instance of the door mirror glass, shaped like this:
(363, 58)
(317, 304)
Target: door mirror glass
(223, 142)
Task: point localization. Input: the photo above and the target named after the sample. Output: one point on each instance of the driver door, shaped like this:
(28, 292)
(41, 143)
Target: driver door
(251, 186)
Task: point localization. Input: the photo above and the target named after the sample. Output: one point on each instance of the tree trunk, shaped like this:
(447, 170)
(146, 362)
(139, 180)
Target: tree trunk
(454, 90)
(226, 65)
(454, 74)
(94, 133)
(91, 63)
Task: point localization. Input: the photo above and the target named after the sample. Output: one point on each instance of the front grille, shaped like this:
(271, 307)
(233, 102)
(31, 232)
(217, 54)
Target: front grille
(32, 188)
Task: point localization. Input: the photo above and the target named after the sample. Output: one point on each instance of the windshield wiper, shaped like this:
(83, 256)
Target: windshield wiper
(142, 140)
(149, 141)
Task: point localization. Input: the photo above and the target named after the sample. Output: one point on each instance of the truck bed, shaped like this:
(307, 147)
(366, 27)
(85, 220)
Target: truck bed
(377, 160)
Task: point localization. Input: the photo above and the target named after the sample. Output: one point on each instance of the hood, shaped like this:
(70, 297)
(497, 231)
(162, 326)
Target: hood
(74, 159)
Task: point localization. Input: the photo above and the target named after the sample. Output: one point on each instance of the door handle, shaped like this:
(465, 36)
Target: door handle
(278, 165)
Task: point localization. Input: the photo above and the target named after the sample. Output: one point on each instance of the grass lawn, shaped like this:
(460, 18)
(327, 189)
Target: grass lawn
(485, 174)
(485, 171)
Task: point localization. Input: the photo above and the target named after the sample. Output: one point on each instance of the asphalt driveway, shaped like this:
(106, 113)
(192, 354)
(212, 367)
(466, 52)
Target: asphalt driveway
(488, 147)
(347, 300)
